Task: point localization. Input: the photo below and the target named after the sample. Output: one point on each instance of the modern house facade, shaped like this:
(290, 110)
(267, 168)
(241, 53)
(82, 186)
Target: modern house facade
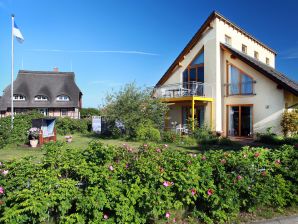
(52, 93)
(225, 78)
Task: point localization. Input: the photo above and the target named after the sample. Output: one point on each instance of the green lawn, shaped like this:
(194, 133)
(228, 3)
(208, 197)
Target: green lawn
(16, 151)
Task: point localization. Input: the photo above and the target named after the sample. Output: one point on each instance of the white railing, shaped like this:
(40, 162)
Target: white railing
(183, 90)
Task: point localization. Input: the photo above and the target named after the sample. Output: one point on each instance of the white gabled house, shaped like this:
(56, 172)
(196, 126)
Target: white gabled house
(226, 78)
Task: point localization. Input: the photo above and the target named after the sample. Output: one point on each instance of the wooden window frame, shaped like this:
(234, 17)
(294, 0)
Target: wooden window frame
(240, 81)
(239, 125)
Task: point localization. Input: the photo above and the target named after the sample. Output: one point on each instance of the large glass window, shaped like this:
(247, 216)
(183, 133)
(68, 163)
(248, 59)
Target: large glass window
(240, 120)
(239, 82)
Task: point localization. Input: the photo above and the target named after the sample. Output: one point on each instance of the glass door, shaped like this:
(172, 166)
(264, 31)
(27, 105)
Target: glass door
(240, 121)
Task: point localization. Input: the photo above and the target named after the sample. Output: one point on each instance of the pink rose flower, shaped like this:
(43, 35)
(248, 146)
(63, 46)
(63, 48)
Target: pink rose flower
(210, 192)
(5, 172)
(223, 161)
(105, 216)
(165, 145)
(145, 145)
(111, 168)
(257, 154)
(174, 220)
(158, 150)
(168, 215)
(1, 190)
(168, 183)
(193, 192)
(239, 177)
(277, 162)
(203, 157)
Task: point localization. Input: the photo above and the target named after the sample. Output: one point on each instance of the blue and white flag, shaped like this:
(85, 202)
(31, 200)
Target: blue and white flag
(17, 33)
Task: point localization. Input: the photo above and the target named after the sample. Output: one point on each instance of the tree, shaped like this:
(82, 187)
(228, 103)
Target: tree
(289, 122)
(89, 112)
(134, 106)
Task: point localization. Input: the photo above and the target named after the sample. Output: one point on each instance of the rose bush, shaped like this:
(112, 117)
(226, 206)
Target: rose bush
(107, 184)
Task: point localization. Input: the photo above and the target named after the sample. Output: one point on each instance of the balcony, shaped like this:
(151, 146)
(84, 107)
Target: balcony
(184, 90)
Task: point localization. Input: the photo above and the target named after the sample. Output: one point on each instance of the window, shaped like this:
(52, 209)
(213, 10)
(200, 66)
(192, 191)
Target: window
(267, 61)
(41, 98)
(63, 112)
(194, 73)
(256, 54)
(244, 48)
(228, 40)
(239, 82)
(62, 98)
(18, 97)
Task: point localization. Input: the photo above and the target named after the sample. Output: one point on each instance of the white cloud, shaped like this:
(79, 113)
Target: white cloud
(94, 51)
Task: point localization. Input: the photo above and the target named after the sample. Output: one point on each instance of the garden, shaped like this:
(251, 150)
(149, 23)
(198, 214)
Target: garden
(138, 173)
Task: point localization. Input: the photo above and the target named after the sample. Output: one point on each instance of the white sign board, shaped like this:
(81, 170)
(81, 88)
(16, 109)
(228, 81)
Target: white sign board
(96, 124)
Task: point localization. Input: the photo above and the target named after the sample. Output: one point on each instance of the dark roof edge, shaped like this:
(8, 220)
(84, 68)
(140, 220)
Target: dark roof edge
(197, 36)
(263, 71)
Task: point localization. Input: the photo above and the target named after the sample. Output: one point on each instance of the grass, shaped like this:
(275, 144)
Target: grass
(17, 151)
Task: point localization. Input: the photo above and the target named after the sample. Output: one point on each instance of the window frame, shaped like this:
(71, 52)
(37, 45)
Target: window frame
(244, 47)
(267, 61)
(43, 98)
(242, 73)
(62, 110)
(256, 55)
(17, 97)
(229, 42)
(62, 100)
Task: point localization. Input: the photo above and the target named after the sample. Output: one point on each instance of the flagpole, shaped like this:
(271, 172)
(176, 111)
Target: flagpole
(12, 65)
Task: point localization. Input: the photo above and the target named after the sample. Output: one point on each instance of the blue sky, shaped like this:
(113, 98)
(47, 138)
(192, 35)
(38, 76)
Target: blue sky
(108, 43)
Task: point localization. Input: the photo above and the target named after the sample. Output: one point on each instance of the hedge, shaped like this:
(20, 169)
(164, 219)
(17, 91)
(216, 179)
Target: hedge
(108, 184)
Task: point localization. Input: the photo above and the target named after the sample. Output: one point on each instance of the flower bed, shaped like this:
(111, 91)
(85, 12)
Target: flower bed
(119, 185)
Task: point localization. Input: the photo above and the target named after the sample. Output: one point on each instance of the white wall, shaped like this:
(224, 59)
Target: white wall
(268, 103)
(238, 39)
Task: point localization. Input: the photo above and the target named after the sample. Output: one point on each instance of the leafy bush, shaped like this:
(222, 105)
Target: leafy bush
(118, 185)
(89, 112)
(289, 122)
(22, 123)
(68, 125)
(146, 132)
(170, 136)
(134, 106)
(272, 139)
(204, 135)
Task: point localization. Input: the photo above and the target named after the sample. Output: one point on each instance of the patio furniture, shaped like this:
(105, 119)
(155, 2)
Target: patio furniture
(47, 129)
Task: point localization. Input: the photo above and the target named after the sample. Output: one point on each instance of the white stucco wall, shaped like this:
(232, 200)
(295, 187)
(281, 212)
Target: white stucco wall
(268, 103)
(238, 39)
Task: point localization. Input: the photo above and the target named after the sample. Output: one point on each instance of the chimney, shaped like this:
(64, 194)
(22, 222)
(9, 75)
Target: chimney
(56, 69)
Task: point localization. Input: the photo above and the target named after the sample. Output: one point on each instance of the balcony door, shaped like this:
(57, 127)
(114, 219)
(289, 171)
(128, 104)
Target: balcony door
(240, 120)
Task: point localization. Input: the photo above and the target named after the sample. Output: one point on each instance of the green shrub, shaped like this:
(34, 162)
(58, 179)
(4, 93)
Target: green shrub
(146, 132)
(116, 185)
(22, 123)
(170, 136)
(272, 139)
(204, 135)
(68, 125)
(289, 122)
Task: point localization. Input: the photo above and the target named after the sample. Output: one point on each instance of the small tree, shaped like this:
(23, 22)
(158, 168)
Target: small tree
(134, 106)
(89, 112)
(289, 122)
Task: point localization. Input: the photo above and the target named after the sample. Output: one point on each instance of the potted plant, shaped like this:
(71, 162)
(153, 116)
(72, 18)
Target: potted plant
(33, 136)
(68, 138)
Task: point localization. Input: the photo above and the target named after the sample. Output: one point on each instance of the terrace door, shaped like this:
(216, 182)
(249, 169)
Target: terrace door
(240, 120)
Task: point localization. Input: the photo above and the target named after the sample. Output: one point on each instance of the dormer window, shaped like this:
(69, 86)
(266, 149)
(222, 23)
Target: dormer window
(18, 97)
(41, 98)
(62, 98)
(228, 40)
(256, 54)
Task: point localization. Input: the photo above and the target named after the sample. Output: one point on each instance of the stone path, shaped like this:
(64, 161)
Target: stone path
(280, 220)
